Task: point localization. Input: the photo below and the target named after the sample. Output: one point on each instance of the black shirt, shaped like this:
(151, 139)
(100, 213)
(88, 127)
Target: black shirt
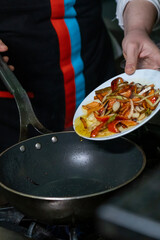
(61, 51)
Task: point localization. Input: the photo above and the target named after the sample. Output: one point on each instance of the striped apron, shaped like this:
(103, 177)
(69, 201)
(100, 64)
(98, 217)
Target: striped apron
(61, 51)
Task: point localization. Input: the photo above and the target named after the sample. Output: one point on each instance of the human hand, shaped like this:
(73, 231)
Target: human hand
(4, 48)
(140, 51)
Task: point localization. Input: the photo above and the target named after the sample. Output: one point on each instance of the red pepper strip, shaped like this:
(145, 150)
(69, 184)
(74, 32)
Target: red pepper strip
(100, 118)
(112, 126)
(153, 99)
(95, 132)
(114, 83)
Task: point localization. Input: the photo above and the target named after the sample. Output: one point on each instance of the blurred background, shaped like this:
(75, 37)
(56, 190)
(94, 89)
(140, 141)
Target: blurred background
(116, 33)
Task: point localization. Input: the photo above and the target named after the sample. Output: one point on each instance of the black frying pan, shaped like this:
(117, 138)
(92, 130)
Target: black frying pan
(60, 177)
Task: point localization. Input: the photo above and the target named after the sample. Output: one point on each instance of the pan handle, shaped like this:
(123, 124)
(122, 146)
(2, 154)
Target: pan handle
(26, 113)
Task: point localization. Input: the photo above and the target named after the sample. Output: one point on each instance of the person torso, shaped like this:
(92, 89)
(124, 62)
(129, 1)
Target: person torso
(60, 41)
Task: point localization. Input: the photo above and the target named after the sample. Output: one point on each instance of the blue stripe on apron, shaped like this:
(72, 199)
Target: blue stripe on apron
(78, 65)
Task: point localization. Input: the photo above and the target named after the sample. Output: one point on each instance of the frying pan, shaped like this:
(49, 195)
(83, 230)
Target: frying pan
(60, 177)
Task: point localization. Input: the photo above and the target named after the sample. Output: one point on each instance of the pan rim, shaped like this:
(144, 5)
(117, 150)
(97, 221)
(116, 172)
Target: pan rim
(74, 197)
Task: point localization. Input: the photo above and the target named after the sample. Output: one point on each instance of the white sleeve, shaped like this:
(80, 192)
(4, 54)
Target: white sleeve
(121, 6)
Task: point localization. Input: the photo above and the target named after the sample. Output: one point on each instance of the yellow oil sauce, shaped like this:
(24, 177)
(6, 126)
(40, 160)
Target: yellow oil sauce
(84, 132)
(79, 128)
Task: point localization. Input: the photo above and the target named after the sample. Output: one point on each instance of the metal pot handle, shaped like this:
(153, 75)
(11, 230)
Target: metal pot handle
(26, 113)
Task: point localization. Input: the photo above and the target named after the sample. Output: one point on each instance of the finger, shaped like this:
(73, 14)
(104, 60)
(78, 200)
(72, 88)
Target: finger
(6, 58)
(131, 57)
(12, 68)
(3, 47)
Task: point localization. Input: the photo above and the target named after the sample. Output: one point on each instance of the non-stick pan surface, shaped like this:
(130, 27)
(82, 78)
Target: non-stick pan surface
(70, 177)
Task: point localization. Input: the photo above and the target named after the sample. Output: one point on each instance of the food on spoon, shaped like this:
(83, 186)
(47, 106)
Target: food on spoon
(116, 108)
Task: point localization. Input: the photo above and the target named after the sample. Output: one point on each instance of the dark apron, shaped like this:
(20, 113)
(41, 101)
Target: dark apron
(26, 29)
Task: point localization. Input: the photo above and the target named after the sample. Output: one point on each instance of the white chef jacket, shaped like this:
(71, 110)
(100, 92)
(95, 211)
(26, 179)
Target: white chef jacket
(122, 3)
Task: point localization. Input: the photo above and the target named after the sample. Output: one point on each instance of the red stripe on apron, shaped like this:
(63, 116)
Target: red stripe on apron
(5, 94)
(57, 15)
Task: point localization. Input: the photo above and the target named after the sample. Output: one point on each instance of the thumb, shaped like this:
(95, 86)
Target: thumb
(131, 61)
(3, 47)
